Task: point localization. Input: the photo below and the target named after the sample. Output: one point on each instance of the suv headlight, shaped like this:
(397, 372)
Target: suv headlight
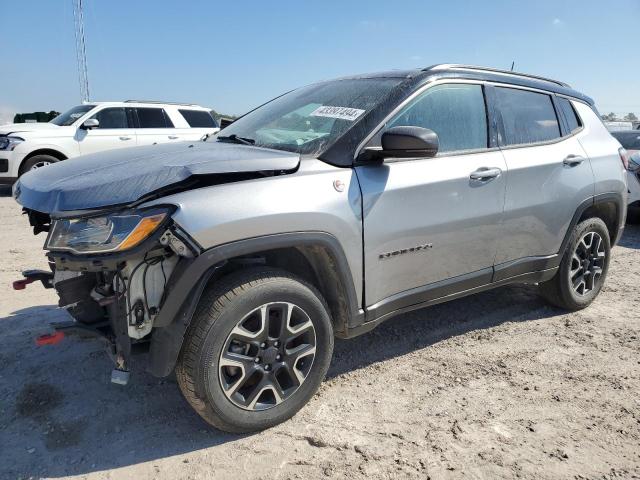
(109, 233)
(9, 143)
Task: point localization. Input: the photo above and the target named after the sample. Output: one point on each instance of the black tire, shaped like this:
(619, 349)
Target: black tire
(199, 371)
(36, 160)
(560, 290)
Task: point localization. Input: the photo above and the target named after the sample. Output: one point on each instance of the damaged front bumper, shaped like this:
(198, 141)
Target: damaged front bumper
(114, 296)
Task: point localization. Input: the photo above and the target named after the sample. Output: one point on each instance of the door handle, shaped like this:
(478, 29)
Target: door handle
(125, 138)
(485, 173)
(173, 137)
(573, 160)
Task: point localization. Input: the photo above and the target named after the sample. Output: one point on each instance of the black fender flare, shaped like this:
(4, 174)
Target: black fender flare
(616, 198)
(191, 276)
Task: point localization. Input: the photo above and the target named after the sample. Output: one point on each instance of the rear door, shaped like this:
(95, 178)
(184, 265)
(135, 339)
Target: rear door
(430, 227)
(154, 126)
(549, 176)
(114, 131)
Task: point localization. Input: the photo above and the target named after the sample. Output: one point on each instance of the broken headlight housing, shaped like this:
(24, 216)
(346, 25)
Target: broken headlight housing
(108, 233)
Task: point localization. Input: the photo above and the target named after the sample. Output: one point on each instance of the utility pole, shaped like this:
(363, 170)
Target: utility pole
(81, 50)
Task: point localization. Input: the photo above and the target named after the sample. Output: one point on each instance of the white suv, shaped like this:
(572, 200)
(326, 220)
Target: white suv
(97, 126)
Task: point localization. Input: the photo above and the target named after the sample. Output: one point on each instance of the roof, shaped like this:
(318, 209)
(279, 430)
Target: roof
(448, 70)
(471, 72)
(146, 102)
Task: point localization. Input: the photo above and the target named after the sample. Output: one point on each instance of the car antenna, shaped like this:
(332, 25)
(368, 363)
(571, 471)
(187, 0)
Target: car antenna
(513, 64)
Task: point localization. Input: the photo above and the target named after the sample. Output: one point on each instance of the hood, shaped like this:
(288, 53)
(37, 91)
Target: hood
(26, 127)
(123, 176)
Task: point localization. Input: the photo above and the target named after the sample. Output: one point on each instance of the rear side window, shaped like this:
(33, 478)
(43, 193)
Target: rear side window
(153, 118)
(527, 117)
(573, 120)
(456, 112)
(112, 118)
(198, 118)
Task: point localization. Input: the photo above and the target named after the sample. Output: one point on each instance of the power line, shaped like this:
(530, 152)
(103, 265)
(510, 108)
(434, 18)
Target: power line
(81, 50)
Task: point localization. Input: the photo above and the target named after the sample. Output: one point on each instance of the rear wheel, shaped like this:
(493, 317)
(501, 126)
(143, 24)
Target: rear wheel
(37, 161)
(256, 351)
(583, 268)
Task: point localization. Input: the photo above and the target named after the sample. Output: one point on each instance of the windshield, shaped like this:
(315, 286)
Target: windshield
(70, 116)
(310, 119)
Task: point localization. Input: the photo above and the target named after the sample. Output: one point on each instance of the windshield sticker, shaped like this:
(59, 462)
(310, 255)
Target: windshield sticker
(342, 113)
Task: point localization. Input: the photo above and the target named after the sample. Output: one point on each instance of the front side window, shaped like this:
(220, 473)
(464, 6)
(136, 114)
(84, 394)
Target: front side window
(527, 117)
(573, 120)
(311, 119)
(455, 112)
(153, 118)
(198, 118)
(70, 116)
(112, 118)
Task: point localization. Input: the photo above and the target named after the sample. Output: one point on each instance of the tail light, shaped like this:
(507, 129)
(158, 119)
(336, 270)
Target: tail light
(624, 157)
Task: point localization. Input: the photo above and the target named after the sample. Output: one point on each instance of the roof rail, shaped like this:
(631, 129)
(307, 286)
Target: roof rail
(165, 103)
(444, 66)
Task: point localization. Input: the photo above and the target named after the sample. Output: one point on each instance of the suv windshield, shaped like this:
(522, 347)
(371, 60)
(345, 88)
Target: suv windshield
(310, 119)
(70, 116)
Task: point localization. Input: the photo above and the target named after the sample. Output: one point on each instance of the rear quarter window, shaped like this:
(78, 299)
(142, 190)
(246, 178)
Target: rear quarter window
(573, 121)
(198, 118)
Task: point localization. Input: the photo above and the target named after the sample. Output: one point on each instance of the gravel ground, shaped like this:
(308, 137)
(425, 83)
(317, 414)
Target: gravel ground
(498, 385)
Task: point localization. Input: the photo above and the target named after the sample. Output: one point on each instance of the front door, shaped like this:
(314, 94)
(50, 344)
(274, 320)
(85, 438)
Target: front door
(113, 131)
(431, 225)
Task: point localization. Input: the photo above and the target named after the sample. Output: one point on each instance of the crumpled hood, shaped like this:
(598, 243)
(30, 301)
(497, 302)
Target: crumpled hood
(123, 176)
(15, 128)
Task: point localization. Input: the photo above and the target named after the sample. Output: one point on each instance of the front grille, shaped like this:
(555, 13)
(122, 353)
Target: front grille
(4, 165)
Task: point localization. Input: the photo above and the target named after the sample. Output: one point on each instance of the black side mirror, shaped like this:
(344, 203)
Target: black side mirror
(403, 142)
(409, 142)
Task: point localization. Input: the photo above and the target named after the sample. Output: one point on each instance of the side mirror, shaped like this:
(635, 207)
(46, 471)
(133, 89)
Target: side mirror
(90, 123)
(409, 142)
(404, 142)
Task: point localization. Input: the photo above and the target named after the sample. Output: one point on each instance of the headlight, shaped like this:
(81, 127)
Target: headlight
(9, 143)
(109, 233)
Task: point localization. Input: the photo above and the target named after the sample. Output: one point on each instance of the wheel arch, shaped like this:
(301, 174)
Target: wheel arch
(609, 207)
(42, 151)
(315, 257)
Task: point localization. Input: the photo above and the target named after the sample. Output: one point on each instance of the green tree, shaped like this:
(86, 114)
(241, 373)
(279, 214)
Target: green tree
(631, 117)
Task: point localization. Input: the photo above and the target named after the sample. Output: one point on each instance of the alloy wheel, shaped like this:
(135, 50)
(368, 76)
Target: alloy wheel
(267, 356)
(587, 263)
(38, 165)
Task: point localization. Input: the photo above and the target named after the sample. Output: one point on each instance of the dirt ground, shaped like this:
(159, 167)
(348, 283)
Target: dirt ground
(498, 385)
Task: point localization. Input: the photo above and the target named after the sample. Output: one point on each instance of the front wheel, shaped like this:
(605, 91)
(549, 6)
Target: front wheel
(257, 349)
(583, 268)
(35, 162)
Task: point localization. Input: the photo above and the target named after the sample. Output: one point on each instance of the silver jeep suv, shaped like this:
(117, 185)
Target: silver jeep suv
(236, 260)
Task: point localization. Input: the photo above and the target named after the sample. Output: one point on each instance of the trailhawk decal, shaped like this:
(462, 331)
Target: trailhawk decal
(342, 113)
(395, 253)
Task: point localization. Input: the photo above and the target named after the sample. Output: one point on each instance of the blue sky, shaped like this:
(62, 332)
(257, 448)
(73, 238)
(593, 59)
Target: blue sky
(234, 55)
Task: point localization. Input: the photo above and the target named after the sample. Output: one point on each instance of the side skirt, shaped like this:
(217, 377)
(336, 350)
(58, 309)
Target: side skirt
(451, 289)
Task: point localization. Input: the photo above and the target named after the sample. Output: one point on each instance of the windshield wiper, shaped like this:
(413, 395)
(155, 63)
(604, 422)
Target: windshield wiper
(233, 138)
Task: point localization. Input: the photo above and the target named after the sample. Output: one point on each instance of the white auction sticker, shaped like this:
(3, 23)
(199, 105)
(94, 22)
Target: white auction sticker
(343, 113)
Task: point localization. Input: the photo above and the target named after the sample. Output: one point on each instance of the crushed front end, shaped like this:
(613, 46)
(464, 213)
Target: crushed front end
(111, 270)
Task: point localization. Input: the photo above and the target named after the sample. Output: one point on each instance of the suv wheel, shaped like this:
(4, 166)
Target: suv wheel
(37, 161)
(257, 349)
(583, 268)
